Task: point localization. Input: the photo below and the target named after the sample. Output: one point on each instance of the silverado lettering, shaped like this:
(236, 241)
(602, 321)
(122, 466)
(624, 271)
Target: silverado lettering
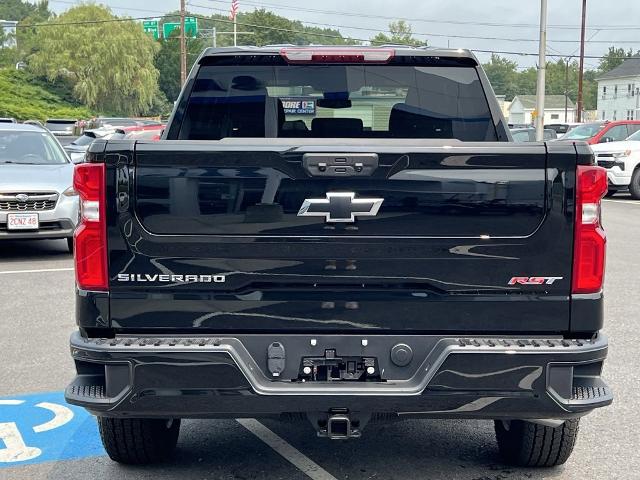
(370, 231)
(137, 277)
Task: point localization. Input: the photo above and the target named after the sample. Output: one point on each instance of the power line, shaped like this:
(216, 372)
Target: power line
(501, 52)
(424, 20)
(431, 34)
(113, 7)
(527, 54)
(289, 30)
(53, 23)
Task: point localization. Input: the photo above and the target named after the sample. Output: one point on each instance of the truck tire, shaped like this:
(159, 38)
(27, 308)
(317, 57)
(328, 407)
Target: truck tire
(138, 441)
(528, 444)
(634, 186)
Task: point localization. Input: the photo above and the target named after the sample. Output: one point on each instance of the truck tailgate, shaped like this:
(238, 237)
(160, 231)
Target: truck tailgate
(212, 235)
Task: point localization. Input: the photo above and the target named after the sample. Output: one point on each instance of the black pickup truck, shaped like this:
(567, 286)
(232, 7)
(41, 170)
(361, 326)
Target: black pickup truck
(344, 235)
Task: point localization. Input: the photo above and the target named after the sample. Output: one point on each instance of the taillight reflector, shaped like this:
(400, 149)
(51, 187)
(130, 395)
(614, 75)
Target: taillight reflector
(590, 240)
(90, 249)
(337, 55)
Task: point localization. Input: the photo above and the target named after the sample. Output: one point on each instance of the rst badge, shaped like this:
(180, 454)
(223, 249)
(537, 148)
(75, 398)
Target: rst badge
(340, 207)
(534, 280)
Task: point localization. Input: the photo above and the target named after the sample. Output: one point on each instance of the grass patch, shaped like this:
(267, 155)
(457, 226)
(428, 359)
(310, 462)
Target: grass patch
(26, 97)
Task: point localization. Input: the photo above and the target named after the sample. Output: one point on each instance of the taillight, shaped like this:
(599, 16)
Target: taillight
(337, 55)
(590, 239)
(90, 250)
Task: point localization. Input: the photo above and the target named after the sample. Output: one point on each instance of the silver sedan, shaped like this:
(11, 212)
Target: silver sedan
(37, 199)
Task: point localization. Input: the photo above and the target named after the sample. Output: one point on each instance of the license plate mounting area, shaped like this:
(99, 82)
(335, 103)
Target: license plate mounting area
(334, 368)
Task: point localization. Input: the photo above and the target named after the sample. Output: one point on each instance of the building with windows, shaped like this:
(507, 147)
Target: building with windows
(9, 33)
(618, 91)
(557, 109)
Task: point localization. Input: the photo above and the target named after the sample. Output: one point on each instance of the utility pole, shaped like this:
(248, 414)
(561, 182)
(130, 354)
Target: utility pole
(581, 72)
(183, 45)
(210, 33)
(566, 92)
(542, 68)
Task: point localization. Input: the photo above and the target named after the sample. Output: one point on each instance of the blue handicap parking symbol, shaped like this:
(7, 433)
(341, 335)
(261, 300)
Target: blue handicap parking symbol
(42, 428)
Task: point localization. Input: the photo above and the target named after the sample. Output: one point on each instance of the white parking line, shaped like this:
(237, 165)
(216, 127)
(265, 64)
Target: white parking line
(623, 202)
(298, 459)
(11, 272)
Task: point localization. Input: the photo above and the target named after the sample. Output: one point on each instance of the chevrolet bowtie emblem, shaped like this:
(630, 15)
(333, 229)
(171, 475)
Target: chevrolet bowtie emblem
(340, 207)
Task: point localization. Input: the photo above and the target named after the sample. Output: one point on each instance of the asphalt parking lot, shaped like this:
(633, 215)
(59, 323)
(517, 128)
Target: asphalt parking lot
(37, 317)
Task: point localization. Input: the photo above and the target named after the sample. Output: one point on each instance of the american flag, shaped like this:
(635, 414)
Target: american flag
(234, 9)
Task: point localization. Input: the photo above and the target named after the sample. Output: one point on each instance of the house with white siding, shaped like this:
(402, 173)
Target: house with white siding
(504, 105)
(557, 109)
(618, 92)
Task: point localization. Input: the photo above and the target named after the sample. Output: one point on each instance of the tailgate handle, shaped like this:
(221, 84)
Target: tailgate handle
(340, 165)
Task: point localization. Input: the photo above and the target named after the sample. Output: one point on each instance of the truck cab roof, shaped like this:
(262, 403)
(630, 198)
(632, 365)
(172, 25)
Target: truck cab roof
(395, 50)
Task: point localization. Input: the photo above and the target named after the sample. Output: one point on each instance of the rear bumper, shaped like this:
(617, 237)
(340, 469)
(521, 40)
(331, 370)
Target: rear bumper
(217, 377)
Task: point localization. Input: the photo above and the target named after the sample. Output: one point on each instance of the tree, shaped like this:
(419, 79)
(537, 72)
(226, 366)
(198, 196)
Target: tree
(613, 58)
(266, 28)
(23, 39)
(109, 64)
(503, 75)
(27, 38)
(401, 34)
(590, 90)
(19, 9)
(167, 61)
(507, 80)
(269, 29)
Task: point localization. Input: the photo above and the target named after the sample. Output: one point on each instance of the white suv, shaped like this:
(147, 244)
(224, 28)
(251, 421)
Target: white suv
(622, 161)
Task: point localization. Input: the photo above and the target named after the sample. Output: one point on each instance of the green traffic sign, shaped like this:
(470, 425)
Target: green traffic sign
(151, 26)
(190, 27)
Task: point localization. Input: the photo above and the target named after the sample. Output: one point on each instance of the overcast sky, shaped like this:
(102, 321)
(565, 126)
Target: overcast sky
(606, 20)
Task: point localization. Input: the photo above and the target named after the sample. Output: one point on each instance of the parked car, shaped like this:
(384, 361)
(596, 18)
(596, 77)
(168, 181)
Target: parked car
(603, 132)
(37, 199)
(562, 128)
(8, 120)
(415, 265)
(78, 147)
(145, 132)
(622, 161)
(529, 134)
(37, 123)
(112, 122)
(61, 126)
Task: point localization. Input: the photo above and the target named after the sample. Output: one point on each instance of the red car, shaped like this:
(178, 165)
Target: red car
(144, 132)
(603, 132)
